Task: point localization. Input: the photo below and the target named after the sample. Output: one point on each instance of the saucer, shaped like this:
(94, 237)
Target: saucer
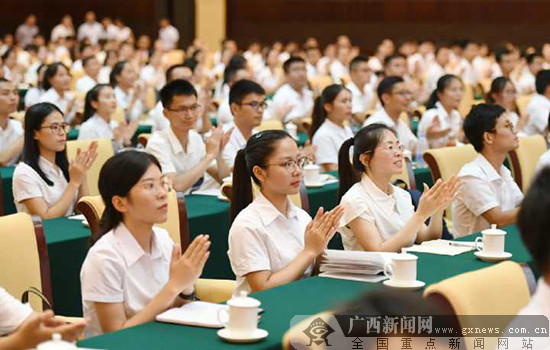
(404, 285)
(253, 337)
(492, 258)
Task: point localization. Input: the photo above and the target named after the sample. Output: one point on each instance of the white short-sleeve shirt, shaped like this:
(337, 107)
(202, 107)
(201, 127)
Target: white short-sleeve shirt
(451, 120)
(156, 116)
(28, 184)
(235, 143)
(9, 135)
(62, 103)
(404, 133)
(85, 84)
(361, 100)
(263, 239)
(544, 160)
(97, 128)
(33, 96)
(123, 99)
(389, 213)
(538, 110)
(328, 139)
(302, 103)
(12, 313)
(482, 189)
(118, 270)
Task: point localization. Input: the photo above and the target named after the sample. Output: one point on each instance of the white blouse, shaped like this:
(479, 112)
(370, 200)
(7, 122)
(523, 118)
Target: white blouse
(447, 120)
(389, 213)
(328, 139)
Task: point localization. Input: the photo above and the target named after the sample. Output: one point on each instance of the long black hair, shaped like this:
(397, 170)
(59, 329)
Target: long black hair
(50, 72)
(34, 118)
(365, 141)
(118, 175)
(117, 69)
(319, 113)
(92, 96)
(442, 83)
(497, 87)
(258, 149)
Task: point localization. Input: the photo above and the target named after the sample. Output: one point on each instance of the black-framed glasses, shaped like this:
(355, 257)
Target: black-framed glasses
(256, 105)
(193, 108)
(293, 164)
(56, 128)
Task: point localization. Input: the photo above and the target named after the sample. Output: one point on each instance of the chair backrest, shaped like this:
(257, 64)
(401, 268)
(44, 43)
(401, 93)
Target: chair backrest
(118, 116)
(447, 161)
(525, 158)
(24, 258)
(467, 100)
(174, 57)
(320, 82)
(144, 138)
(176, 223)
(406, 175)
(500, 289)
(270, 124)
(104, 151)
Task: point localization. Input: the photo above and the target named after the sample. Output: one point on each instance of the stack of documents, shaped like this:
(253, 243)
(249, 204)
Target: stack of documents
(196, 313)
(354, 265)
(442, 247)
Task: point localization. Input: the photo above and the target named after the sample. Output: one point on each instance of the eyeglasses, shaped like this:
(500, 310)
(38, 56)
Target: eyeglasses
(184, 109)
(404, 93)
(157, 186)
(256, 105)
(507, 125)
(56, 128)
(293, 164)
(393, 148)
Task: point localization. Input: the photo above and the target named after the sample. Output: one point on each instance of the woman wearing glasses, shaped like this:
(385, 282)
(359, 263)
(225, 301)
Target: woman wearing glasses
(271, 241)
(329, 130)
(377, 215)
(45, 183)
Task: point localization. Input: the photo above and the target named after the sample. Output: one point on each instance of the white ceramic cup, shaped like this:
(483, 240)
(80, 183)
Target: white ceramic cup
(402, 268)
(312, 174)
(242, 317)
(493, 241)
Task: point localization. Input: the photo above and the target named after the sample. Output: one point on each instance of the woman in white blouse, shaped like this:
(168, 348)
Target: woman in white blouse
(441, 123)
(45, 183)
(377, 215)
(503, 93)
(57, 83)
(98, 110)
(129, 91)
(134, 271)
(329, 129)
(271, 241)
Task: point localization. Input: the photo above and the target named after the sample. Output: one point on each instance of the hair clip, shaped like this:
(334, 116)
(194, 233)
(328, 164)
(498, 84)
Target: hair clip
(258, 135)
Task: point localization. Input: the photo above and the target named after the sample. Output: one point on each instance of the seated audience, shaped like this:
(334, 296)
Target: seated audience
(360, 87)
(130, 93)
(538, 108)
(56, 83)
(11, 130)
(91, 67)
(503, 93)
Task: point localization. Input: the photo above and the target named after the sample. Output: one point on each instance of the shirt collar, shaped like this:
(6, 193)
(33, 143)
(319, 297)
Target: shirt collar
(488, 169)
(130, 248)
(47, 167)
(388, 119)
(374, 191)
(175, 143)
(268, 212)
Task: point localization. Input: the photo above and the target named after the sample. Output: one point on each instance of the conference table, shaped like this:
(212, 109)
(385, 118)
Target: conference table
(305, 297)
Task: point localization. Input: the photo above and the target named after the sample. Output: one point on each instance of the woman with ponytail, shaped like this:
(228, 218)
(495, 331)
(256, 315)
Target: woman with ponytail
(134, 271)
(329, 129)
(97, 123)
(377, 215)
(271, 241)
(441, 123)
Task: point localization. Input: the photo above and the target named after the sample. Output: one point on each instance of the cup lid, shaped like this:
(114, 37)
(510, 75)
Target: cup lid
(404, 256)
(56, 344)
(243, 300)
(493, 231)
(312, 166)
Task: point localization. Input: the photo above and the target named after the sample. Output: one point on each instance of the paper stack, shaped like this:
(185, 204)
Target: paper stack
(442, 247)
(354, 265)
(196, 313)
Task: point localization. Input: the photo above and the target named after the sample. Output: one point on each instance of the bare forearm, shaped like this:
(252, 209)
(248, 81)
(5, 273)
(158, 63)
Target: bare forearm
(161, 302)
(404, 237)
(11, 151)
(182, 182)
(434, 229)
(59, 208)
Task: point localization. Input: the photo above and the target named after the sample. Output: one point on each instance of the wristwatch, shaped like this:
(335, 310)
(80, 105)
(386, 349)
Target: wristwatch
(192, 296)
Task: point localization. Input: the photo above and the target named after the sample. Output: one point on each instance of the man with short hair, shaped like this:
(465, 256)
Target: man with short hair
(188, 161)
(395, 65)
(506, 63)
(89, 80)
(525, 84)
(538, 109)
(11, 130)
(395, 97)
(436, 68)
(360, 87)
(90, 29)
(26, 31)
(168, 35)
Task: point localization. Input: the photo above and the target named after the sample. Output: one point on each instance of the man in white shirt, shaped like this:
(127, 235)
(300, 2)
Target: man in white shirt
(89, 80)
(184, 157)
(436, 68)
(526, 82)
(313, 55)
(247, 101)
(90, 29)
(168, 35)
(11, 130)
(293, 101)
(533, 223)
(506, 63)
(395, 97)
(63, 29)
(231, 74)
(26, 31)
(538, 109)
(489, 194)
(361, 90)
(395, 65)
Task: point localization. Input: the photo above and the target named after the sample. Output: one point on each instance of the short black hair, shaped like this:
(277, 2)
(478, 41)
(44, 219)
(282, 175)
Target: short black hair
(230, 72)
(357, 60)
(290, 61)
(242, 88)
(481, 119)
(392, 57)
(176, 88)
(542, 81)
(531, 57)
(386, 86)
(190, 63)
(173, 68)
(533, 220)
(86, 59)
(50, 72)
(499, 53)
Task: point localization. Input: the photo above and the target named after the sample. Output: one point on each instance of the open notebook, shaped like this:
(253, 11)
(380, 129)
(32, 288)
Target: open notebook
(196, 313)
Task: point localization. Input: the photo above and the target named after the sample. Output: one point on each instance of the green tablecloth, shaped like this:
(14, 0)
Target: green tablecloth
(305, 297)
(7, 179)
